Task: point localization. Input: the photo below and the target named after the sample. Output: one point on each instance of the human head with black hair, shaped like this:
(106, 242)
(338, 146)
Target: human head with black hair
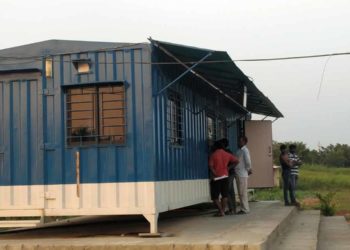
(292, 148)
(243, 140)
(224, 142)
(283, 148)
(217, 145)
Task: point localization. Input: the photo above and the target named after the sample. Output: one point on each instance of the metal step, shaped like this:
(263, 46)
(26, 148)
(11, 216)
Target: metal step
(18, 223)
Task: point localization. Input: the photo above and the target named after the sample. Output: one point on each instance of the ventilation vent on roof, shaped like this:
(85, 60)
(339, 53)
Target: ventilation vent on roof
(82, 65)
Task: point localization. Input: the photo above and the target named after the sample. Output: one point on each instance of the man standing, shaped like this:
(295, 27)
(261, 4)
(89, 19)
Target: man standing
(286, 166)
(231, 199)
(218, 162)
(243, 170)
(294, 171)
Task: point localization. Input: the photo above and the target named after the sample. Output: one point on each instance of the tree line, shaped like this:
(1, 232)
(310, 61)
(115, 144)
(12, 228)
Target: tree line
(337, 155)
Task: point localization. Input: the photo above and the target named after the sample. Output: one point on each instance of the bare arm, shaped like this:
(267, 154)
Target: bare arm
(286, 160)
(247, 160)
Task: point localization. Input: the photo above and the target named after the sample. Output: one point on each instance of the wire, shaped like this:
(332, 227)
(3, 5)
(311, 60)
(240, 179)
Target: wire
(322, 77)
(292, 57)
(186, 62)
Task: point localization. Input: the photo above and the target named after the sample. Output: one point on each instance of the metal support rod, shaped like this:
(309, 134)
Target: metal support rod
(184, 73)
(263, 119)
(245, 96)
(275, 120)
(77, 170)
(198, 75)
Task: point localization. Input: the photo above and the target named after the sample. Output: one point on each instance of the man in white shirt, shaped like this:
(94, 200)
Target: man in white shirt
(243, 170)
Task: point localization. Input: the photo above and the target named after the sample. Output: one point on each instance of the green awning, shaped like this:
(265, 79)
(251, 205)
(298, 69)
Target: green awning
(220, 70)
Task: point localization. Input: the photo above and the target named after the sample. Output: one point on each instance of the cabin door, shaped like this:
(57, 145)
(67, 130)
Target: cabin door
(21, 159)
(259, 135)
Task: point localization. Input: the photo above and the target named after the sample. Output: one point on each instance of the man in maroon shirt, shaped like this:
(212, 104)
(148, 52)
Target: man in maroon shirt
(218, 163)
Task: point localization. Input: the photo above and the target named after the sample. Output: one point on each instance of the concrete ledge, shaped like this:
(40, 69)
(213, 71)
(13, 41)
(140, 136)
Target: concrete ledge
(302, 232)
(195, 232)
(334, 233)
(281, 227)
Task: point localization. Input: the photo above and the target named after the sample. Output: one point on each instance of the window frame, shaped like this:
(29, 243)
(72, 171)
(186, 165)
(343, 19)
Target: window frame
(216, 127)
(223, 126)
(79, 62)
(97, 116)
(214, 134)
(175, 128)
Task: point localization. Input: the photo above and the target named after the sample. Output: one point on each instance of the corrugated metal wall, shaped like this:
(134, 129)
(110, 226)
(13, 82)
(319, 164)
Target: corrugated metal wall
(132, 162)
(33, 123)
(190, 160)
(20, 130)
(21, 157)
(37, 168)
(182, 170)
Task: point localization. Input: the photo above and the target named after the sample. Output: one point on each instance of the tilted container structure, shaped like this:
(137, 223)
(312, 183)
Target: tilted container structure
(93, 128)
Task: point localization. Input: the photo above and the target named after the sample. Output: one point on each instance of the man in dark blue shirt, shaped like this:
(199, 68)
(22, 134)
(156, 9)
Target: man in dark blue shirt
(286, 166)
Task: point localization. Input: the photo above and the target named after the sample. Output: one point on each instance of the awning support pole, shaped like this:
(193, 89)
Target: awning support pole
(184, 73)
(198, 75)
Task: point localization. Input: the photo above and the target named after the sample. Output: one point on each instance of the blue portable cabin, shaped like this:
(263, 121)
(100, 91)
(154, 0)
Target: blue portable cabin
(90, 128)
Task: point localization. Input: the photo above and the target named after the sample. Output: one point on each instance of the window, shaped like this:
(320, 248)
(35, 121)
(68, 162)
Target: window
(211, 132)
(48, 67)
(222, 130)
(175, 119)
(96, 115)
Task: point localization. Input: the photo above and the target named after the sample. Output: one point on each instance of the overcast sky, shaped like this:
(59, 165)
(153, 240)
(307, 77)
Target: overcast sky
(246, 29)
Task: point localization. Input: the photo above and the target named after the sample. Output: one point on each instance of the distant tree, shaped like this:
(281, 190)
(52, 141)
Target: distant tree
(336, 155)
(333, 155)
(276, 152)
(311, 156)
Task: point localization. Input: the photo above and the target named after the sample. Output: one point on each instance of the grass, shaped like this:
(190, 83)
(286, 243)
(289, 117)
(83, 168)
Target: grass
(317, 179)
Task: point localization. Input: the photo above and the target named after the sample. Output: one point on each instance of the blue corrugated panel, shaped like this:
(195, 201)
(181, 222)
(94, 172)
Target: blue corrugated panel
(20, 133)
(33, 114)
(189, 160)
(33, 146)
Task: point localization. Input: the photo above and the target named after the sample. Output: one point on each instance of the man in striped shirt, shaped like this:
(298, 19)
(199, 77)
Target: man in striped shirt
(294, 171)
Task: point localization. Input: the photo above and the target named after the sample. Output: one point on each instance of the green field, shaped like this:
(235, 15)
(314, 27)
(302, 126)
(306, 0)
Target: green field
(317, 179)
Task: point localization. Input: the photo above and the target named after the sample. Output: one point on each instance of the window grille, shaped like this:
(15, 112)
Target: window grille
(175, 119)
(222, 130)
(96, 115)
(211, 129)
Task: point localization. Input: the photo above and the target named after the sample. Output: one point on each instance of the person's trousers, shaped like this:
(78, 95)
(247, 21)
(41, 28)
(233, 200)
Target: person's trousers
(243, 193)
(231, 194)
(289, 184)
(293, 187)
